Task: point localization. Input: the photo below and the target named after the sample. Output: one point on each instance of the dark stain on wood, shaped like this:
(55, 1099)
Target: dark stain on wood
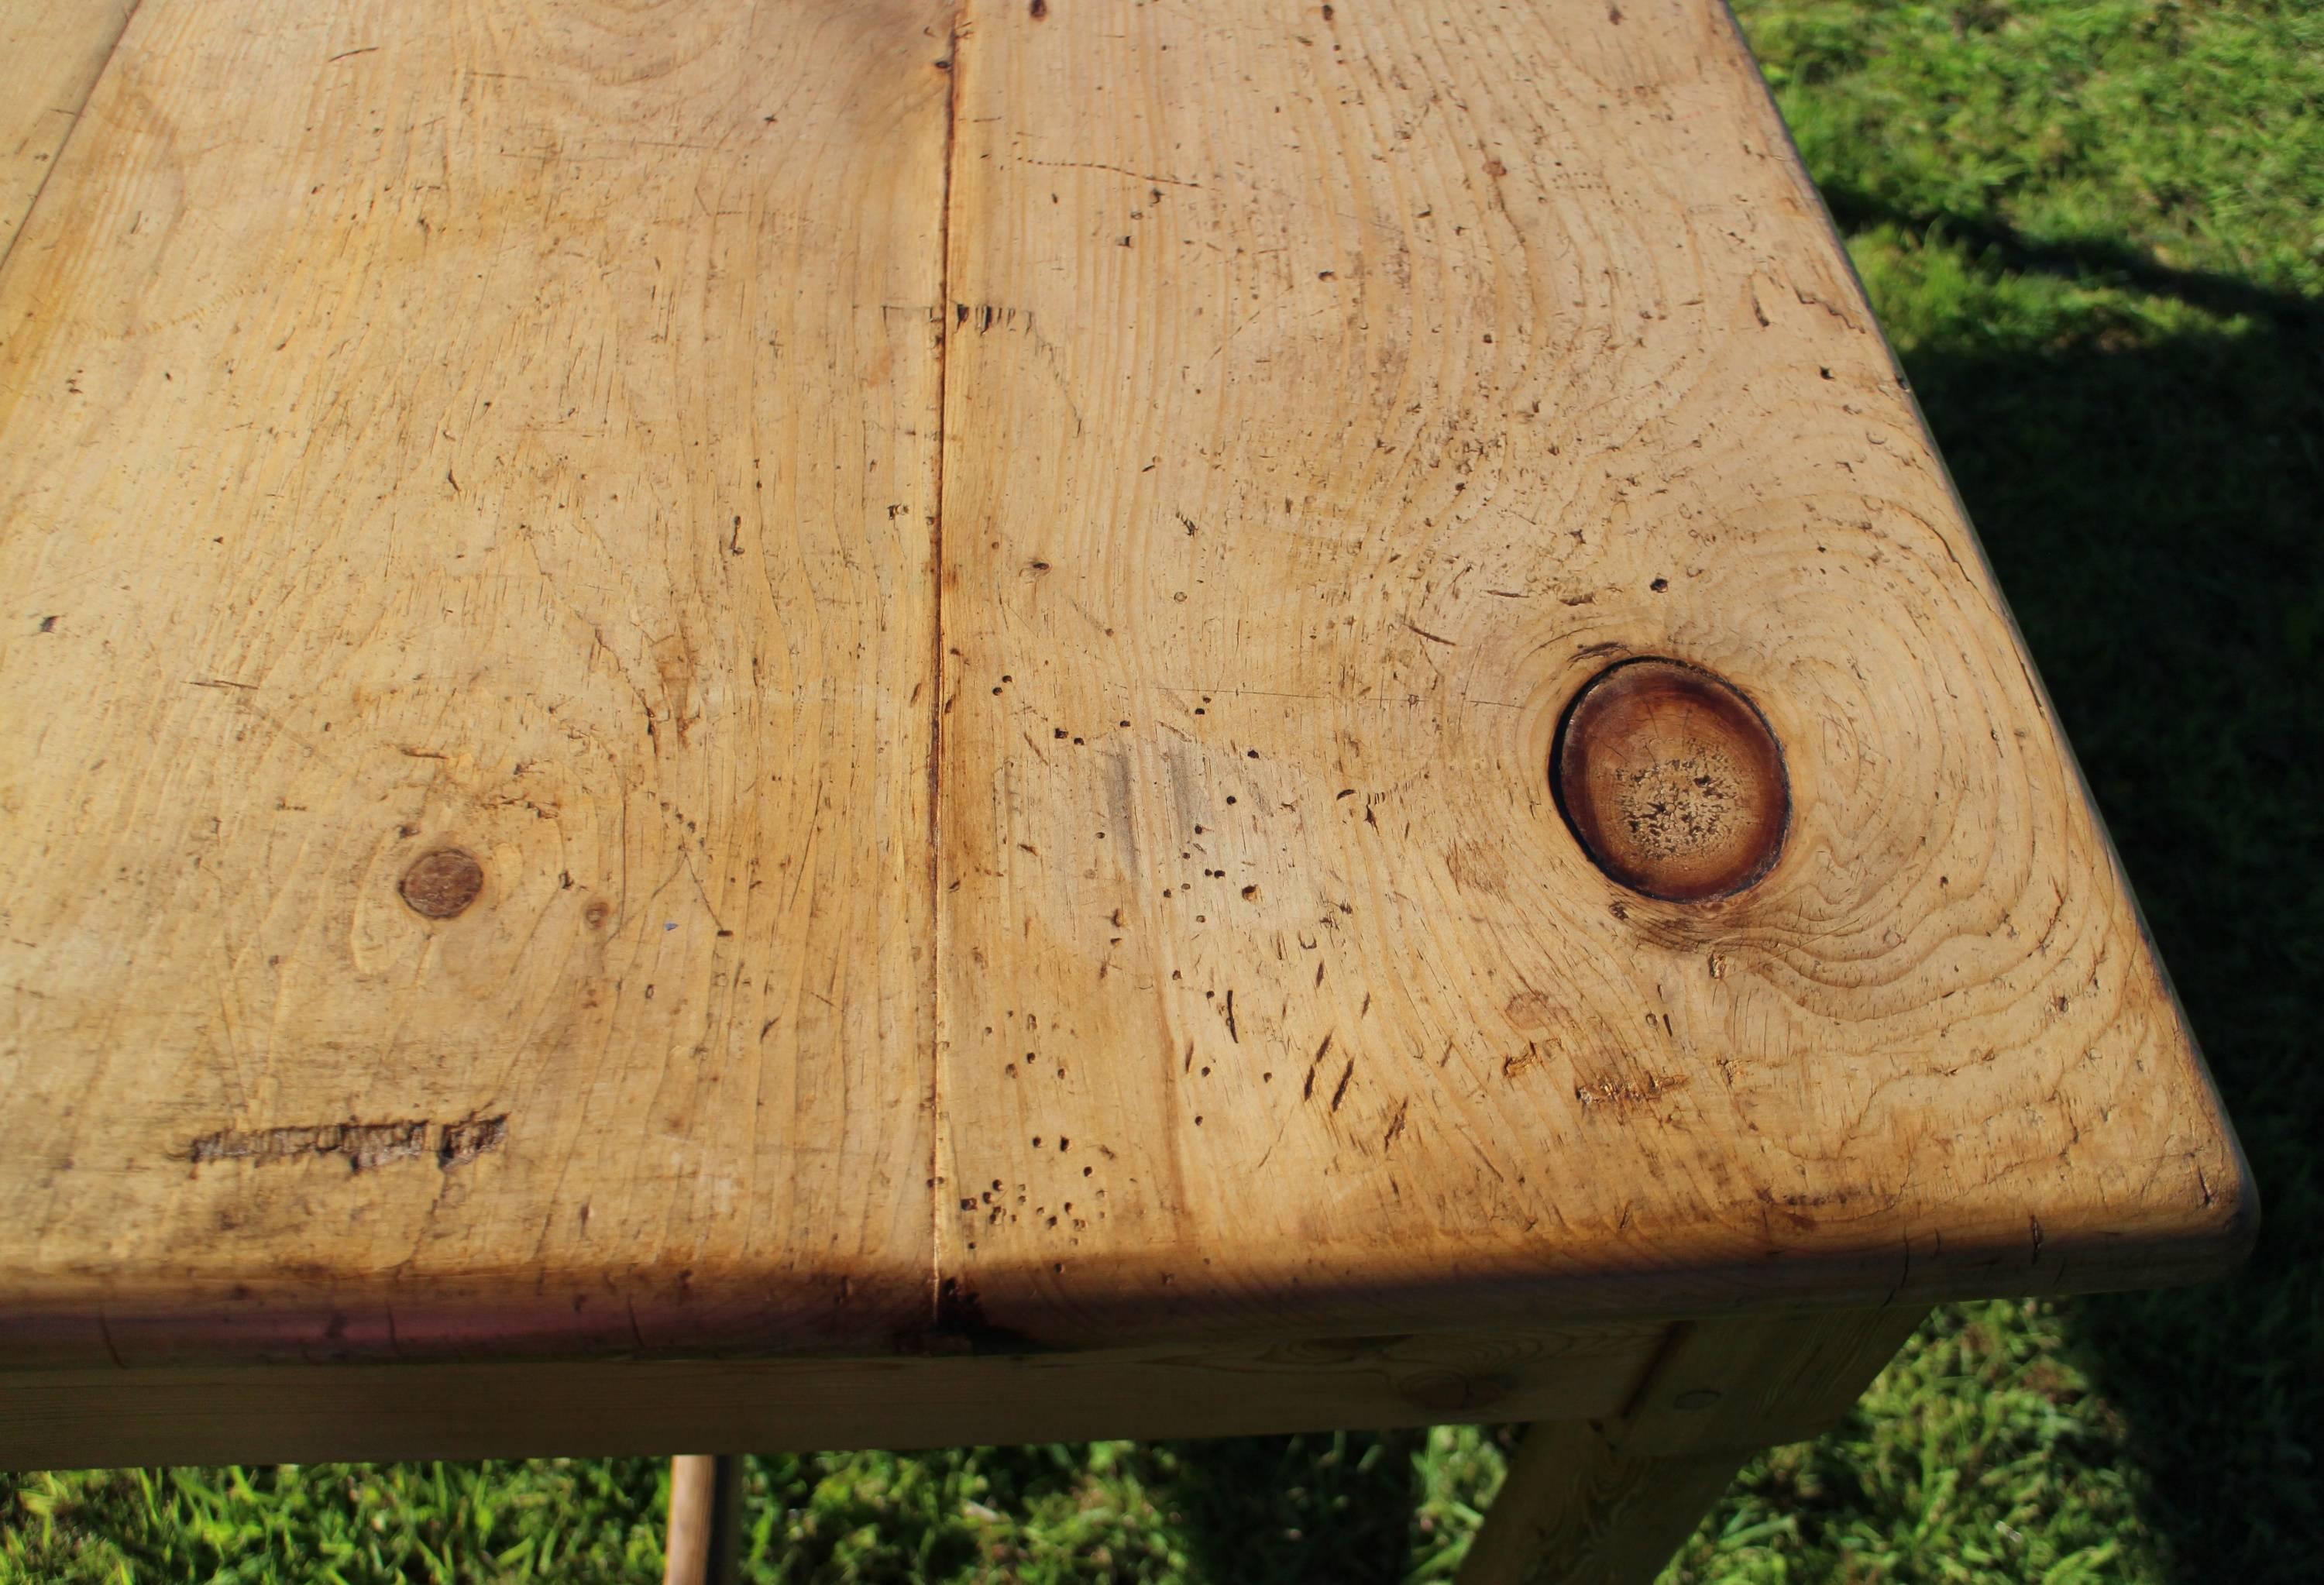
(362, 1146)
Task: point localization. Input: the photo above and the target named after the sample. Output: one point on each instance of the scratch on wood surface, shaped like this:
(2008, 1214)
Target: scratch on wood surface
(1620, 1093)
(361, 1145)
(1307, 1090)
(1115, 169)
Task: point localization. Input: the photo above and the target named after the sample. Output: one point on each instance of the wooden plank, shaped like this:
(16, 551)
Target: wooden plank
(702, 1539)
(469, 496)
(50, 52)
(1331, 394)
(472, 429)
(1575, 1511)
(1741, 1382)
(62, 1419)
(1608, 1504)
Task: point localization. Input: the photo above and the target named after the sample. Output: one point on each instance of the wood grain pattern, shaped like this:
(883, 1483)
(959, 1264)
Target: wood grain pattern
(1738, 1383)
(500, 429)
(611, 607)
(1329, 399)
(702, 1537)
(1573, 1511)
(50, 52)
(212, 1415)
(1608, 1503)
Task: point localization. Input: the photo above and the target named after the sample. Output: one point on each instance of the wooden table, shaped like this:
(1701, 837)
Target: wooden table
(789, 725)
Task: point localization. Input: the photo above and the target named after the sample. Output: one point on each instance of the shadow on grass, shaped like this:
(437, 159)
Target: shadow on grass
(2089, 259)
(2154, 508)
(1328, 1507)
(2155, 513)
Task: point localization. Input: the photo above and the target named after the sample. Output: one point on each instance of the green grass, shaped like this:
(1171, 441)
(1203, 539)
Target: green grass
(2095, 230)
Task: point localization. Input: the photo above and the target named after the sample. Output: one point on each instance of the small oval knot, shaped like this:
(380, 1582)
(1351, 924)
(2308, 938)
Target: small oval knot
(1672, 781)
(441, 883)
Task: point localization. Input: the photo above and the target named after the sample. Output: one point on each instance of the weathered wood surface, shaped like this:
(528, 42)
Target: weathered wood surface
(837, 676)
(472, 428)
(245, 1413)
(702, 1538)
(1572, 1510)
(50, 52)
(1329, 400)
(1605, 1503)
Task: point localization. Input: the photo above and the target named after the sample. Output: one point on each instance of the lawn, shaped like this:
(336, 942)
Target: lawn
(2095, 231)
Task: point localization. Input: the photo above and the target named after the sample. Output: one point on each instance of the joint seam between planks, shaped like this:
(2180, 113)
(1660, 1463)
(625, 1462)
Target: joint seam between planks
(33, 207)
(937, 677)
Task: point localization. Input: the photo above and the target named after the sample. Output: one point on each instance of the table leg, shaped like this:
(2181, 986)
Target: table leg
(1574, 1510)
(1608, 1503)
(704, 1542)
